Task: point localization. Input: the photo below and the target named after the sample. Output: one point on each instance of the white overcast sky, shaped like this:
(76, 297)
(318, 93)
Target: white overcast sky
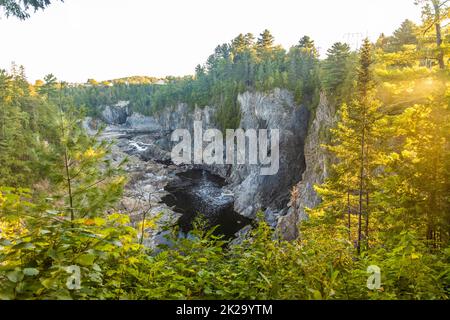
(106, 39)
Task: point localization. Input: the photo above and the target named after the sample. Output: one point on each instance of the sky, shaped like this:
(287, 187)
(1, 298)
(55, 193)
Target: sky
(108, 39)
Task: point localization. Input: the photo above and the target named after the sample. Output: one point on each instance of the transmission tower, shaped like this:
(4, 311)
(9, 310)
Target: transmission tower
(353, 39)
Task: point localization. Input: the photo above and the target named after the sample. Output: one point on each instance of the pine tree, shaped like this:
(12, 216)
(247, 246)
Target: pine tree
(49, 87)
(406, 34)
(265, 41)
(14, 136)
(418, 170)
(239, 44)
(21, 8)
(434, 12)
(80, 170)
(303, 71)
(308, 47)
(336, 69)
(355, 144)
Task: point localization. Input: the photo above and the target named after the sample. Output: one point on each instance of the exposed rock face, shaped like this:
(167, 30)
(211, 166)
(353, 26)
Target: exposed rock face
(116, 114)
(183, 117)
(317, 164)
(142, 123)
(301, 157)
(145, 189)
(254, 191)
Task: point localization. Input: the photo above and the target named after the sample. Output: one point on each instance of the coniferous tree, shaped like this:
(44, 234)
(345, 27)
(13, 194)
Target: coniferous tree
(406, 34)
(303, 70)
(265, 40)
(418, 169)
(355, 144)
(13, 160)
(336, 69)
(434, 12)
(21, 8)
(80, 170)
(49, 87)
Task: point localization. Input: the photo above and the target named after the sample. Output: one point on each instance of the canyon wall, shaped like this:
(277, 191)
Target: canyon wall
(317, 161)
(302, 164)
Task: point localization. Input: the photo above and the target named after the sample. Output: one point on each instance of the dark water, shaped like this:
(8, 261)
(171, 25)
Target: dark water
(200, 192)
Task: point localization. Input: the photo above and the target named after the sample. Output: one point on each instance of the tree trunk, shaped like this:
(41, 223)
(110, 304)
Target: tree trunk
(349, 221)
(361, 189)
(69, 185)
(141, 240)
(66, 158)
(367, 220)
(437, 17)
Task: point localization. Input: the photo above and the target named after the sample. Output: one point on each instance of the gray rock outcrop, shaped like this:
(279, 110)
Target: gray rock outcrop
(254, 191)
(116, 114)
(302, 164)
(317, 166)
(140, 122)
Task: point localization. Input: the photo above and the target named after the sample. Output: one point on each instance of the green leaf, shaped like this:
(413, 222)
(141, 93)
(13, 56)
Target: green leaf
(49, 283)
(96, 267)
(15, 276)
(207, 290)
(316, 294)
(265, 278)
(31, 271)
(24, 245)
(4, 242)
(86, 259)
(6, 295)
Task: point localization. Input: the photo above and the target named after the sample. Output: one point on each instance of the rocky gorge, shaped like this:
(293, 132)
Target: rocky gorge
(228, 195)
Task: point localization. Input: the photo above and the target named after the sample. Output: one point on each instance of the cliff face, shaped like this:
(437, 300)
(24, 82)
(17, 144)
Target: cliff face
(302, 162)
(317, 164)
(116, 114)
(270, 193)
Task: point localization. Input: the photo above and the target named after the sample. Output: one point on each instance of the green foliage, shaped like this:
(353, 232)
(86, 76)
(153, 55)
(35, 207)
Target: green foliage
(338, 72)
(321, 265)
(391, 171)
(49, 87)
(355, 145)
(417, 193)
(81, 174)
(241, 65)
(391, 151)
(39, 244)
(27, 122)
(265, 41)
(406, 34)
(303, 71)
(21, 8)
(408, 269)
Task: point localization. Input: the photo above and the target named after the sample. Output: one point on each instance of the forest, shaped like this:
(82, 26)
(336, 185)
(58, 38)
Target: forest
(386, 201)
